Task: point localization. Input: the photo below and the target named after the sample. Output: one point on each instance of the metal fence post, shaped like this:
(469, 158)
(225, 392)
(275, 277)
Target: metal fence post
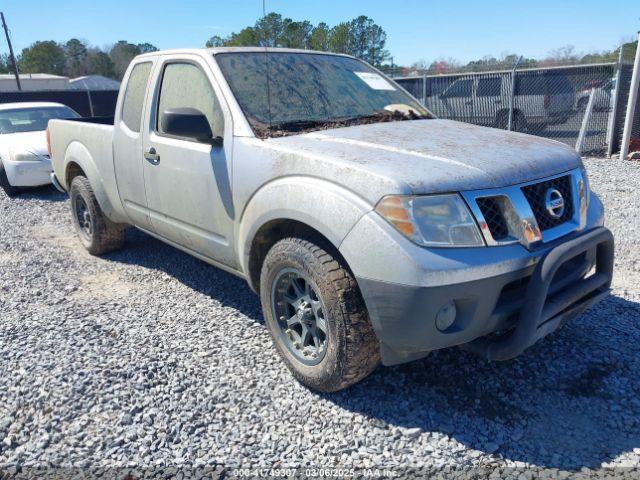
(513, 93)
(585, 121)
(611, 126)
(631, 104)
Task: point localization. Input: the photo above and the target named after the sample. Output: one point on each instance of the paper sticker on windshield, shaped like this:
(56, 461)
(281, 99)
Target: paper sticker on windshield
(375, 81)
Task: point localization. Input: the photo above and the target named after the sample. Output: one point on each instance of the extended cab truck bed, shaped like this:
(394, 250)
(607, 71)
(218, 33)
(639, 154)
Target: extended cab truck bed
(371, 231)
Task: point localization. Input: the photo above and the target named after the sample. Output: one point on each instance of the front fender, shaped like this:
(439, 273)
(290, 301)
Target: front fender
(328, 208)
(77, 153)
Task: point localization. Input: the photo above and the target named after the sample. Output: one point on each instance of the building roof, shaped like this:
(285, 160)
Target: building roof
(94, 82)
(35, 76)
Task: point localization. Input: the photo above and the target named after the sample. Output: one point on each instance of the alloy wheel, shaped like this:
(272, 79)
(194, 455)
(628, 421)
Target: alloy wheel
(300, 314)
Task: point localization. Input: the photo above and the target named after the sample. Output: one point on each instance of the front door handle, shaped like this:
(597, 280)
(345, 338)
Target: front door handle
(152, 156)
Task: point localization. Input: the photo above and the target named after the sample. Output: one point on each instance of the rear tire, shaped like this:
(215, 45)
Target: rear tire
(97, 233)
(350, 351)
(10, 190)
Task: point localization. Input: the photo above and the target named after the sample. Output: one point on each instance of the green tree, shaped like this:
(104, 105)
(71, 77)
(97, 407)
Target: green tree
(295, 34)
(247, 37)
(506, 62)
(99, 63)
(5, 63)
(368, 40)
(43, 57)
(628, 54)
(216, 41)
(76, 56)
(319, 38)
(361, 37)
(340, 39)
(121, 55)
(269, 30)
(146, 48)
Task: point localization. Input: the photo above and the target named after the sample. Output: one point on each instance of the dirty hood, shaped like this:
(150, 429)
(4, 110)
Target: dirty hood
(435, 156)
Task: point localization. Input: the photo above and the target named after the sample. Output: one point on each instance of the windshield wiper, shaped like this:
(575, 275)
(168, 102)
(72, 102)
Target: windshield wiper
(306, 123)
(299, 124)
(387, 115)
(302, 125)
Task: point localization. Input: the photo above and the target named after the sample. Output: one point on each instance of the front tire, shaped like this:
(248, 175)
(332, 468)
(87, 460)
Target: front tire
(97, 233)
(10, 190)
(316, 315)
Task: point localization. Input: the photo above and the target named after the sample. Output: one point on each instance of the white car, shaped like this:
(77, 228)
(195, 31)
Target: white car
(24, 160)
(541, 99)
(601, 99)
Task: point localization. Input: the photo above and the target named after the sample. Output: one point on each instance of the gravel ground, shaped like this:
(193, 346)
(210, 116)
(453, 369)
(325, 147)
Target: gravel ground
(150, 358)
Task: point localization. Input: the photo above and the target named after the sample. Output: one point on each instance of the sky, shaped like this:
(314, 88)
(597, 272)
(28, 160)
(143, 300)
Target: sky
(428, 30)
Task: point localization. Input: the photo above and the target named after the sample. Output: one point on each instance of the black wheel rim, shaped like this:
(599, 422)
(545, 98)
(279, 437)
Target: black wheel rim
(83, 217)
(300, 314)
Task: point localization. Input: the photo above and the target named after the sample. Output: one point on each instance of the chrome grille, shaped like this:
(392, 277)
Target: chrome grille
(535, 195)
(518, 213)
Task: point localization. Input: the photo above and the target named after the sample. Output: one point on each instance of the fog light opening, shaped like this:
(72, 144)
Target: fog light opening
(446, 316)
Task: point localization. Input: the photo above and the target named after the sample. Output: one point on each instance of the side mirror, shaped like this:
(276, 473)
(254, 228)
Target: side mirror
(189, 123)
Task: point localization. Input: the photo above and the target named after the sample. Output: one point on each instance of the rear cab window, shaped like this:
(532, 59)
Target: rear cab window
(133, 103)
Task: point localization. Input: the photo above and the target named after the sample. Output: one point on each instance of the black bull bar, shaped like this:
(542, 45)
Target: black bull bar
(540, 315)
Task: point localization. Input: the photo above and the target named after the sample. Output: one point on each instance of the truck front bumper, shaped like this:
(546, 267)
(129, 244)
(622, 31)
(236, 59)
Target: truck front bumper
(495, 301)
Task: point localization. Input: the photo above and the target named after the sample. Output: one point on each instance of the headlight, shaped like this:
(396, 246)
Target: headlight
(433, 220)
(23, 156)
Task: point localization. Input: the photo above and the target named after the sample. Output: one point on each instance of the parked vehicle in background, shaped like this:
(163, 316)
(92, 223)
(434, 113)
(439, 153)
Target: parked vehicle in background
(24, 160)
(541, 99)
(601, 99)
(371, 231)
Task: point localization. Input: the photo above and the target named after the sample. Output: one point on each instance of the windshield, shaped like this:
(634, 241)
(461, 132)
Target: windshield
(308, 91)
(31, 119)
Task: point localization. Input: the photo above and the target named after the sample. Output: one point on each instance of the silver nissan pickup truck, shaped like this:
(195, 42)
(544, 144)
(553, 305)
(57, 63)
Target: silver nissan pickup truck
(372, 231)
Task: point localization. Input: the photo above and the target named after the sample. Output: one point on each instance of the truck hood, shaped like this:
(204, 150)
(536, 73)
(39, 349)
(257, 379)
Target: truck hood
(436, 156)
(35, 142)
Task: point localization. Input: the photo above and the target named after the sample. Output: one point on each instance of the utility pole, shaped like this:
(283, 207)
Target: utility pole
(631, 104)
(613, 106)
(11, 55)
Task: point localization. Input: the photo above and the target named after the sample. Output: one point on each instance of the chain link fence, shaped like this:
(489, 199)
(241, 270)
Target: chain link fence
(580, 105)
